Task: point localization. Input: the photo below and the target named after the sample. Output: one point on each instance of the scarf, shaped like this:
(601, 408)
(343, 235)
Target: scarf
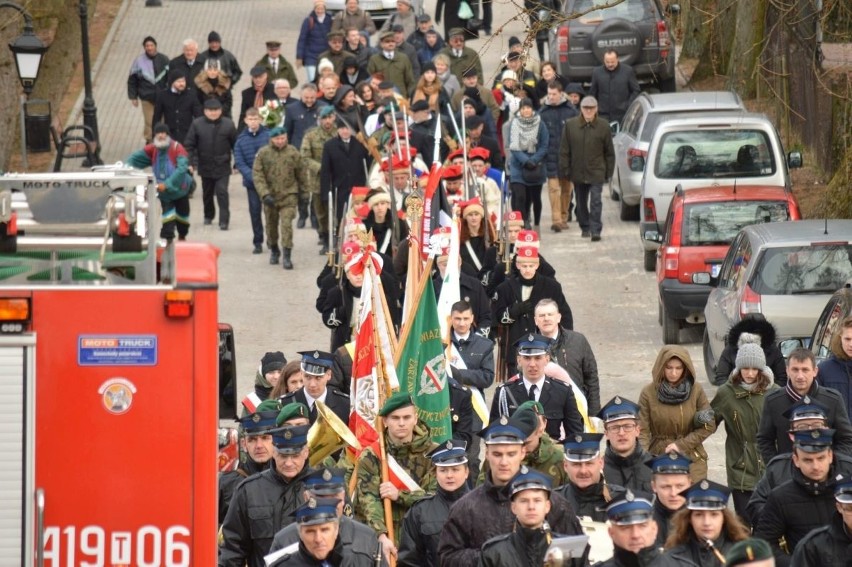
(523, 135)
(794, 396)
(258, 96)
(674, 395)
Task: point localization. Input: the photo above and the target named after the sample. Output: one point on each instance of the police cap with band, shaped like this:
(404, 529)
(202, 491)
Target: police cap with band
(325, 482)
(813, 440)
(397, 401)
(501, 432)
(806, 408)
(449, 453)
(629, 508)
(669, 463)
(317, 362)
(582, 447)
(530, 479)
(533, 345)
(843, 489)
(259, 422)
(291, 411)
(706, 495)
(317, 511)
(290, 439)
(748, 551)
(618, 408)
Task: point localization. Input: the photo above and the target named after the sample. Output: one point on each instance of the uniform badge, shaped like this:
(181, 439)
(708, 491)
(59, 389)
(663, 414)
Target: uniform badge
(312, 503)
(326, 475)
(449, 445)
(524, 469)
(255, 418)
(617, 401)
(316, 354)
(504, 421)
(530, 338)
(704, 485)
(806, 400)
(455, 417)
(630, 497)
(347, 510)
(673, 456)
(815, 434)
(288, 434)
(578, 438)
(467, 299)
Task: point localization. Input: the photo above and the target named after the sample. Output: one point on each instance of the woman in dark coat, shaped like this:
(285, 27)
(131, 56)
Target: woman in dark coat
(755, 324)
(313, 39)
(213, 83)
(527, 142)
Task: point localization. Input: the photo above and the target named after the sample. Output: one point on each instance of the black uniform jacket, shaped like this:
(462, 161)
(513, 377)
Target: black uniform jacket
(421, 528)
(557, 397)
(337, 401)
(461, 411)
(339, 557)
(519, 548)
(354, 537)
(229, 480)
(471, 291)
(694, 554)
(663, 517)
(478, 355)
(586, 501)
(630, 471)
(624, 558)
(829, 545)
(498, 272)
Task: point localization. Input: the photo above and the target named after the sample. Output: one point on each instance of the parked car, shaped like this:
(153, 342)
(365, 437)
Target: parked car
(785, 270)
(637, 29)
(835, 311)
(634, 134)
(690, 150)
(700, 227)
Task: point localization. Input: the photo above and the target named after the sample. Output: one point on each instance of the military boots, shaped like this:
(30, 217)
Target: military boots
(288, 265)
(274, 255)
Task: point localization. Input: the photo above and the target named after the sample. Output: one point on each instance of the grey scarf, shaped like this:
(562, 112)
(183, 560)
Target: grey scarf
(523, 134)
(674, 395)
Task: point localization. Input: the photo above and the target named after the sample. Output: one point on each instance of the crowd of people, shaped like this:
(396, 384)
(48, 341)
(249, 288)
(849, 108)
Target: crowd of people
(348, 156)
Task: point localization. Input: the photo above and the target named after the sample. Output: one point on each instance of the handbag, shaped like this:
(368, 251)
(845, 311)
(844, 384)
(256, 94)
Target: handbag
(465, 12)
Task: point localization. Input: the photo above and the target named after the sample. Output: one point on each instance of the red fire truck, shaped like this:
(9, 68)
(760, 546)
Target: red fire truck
(109, 356)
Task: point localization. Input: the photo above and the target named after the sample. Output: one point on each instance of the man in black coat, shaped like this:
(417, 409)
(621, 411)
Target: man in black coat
(772, 434)
(632, 529)
(615, 86)
(755, 324)
(190, 63)
(804, 503)
(209, 143)
(316, 372)
(586, 490)
(227, 61)
(345, 162)
(176, 107)
(624, 459)
(475, 133)
(556, 108)
(260, 91)
(514, 301)
(556, 396)
(148, 74)
(830, 545)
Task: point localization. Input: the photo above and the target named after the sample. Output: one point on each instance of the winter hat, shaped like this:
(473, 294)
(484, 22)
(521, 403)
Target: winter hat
(272, 361)
(428, 66)
(749, 353)
(324, 64)
(174, 75)
(162, 128)
(214, 36)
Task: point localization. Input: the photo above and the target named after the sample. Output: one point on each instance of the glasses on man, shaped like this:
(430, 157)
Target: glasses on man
(625, 427)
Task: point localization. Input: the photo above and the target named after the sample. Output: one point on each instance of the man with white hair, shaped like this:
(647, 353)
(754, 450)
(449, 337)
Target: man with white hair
(190, 63)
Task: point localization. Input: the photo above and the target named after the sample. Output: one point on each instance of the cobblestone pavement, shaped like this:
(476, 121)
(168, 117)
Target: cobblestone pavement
(614, 301)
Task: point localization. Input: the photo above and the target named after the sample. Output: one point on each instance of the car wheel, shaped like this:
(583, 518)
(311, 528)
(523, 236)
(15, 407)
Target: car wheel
(650, 260)
(709, 366)
(630, 213)
(620, 33)
(671, 329)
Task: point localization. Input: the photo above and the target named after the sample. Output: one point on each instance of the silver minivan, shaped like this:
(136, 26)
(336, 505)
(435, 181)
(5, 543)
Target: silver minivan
(633, 136)
(701, 150)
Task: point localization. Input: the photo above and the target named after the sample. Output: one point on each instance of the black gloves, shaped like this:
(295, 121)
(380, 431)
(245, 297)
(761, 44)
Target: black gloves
(269, 200)
(530, 165)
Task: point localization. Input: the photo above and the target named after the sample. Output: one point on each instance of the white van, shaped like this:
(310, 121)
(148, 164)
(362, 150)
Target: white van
(718, 148)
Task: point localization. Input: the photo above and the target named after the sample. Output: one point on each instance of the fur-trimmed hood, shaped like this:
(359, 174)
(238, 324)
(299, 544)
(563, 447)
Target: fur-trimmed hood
(760, 327)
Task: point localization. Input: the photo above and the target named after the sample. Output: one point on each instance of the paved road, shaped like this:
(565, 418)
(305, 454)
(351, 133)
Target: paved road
(613, 299)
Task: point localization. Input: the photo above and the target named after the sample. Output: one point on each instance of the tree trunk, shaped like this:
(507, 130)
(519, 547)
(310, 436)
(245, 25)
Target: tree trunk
(748, 42)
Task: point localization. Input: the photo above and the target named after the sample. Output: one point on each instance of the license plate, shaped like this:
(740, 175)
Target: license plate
(714, 270)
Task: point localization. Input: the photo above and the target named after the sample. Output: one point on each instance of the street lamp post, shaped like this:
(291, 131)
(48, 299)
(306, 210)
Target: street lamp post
(90, 111)
(28, 50)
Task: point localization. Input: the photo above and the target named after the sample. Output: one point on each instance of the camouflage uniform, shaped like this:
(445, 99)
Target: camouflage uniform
(279, 172)
(312, 145)
(547, 459)
(413, 457)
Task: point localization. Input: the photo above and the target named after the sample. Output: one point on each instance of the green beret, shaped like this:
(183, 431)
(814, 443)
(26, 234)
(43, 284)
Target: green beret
(268, 405)
(277, 131)
(525, 419)
(291, 410)
(397, 401)
(533, 405)
(748, 550)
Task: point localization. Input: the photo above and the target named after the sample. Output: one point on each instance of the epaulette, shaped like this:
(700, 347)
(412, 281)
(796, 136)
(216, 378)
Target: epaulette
(514, 378)
(283, 553)
(550, 380)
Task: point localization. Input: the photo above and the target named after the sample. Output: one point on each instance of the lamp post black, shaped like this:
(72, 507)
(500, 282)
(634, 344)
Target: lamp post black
(28, 50)
(90, 111)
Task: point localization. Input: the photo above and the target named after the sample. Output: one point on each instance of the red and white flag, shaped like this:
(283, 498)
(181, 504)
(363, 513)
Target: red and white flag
(251, 401)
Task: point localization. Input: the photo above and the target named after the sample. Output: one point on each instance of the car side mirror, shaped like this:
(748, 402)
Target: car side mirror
(673, 9)
(789, 346)
(227, 373)
(637, 163)
(614, 128)
(653, 236)
(794, 160)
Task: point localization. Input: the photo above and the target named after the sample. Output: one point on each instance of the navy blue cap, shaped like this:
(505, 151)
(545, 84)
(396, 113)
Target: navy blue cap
(813, 440)
(806, 409)
(325, 482)
(317, 511)
(629, 508)
(669, 463)
(533, 345)
(450, 453)
(843, 489)
(582, 447)
(317, 362)
(290, 439)
(618, 408)
(530, 479)
(500, 432)
(259, 423)
(706, 495)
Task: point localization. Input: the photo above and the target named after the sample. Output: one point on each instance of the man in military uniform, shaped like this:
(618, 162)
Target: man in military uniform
(624, 459)
(279, 176)
(294, 413)
(316, 372)
(262, 504)
(586, 489)
(669, 480)
(256, 429)
(484, 512)
(354, 537)
(320, 541)
(632, 529)
(408, 443)
(528, 542)
(804, 503)
(311, 149)
(421, 527)
(560, 408)
(830, 545)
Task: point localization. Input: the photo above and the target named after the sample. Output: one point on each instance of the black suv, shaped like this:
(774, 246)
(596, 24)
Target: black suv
(636, 29)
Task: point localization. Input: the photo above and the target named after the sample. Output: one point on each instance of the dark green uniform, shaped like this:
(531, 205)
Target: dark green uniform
(280, 173)
(312, 145)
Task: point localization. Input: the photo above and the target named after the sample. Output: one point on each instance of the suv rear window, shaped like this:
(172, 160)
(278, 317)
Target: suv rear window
(708, 224)
(714, 153)
(794, 270)
(633, 11)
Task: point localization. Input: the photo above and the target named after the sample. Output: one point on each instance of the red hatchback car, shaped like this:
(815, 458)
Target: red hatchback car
(700, 226)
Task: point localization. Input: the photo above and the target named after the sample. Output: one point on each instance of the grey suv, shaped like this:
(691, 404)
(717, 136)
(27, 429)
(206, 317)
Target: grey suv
(636, 29)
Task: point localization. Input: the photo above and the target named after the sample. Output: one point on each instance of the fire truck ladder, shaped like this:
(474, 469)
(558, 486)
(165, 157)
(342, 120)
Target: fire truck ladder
(85, 228)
